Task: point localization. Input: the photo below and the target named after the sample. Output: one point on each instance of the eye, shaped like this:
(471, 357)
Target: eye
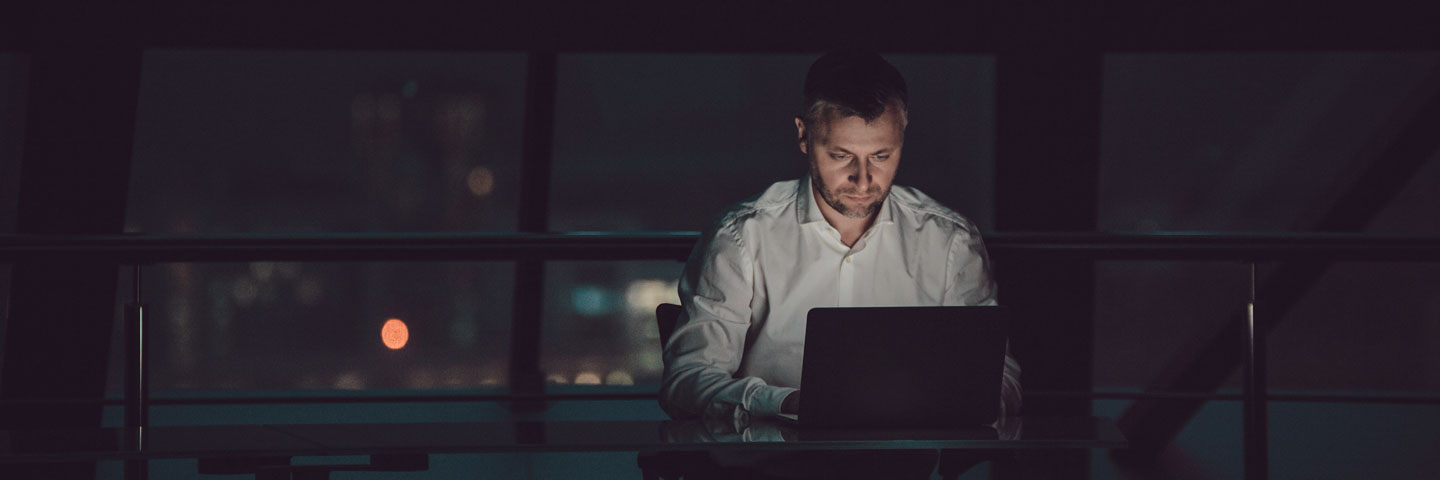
(881, 158)
(839, 156)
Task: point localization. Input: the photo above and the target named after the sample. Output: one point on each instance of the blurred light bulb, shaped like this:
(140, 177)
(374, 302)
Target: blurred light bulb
(619, 377)
(395, 334)
(480, 181)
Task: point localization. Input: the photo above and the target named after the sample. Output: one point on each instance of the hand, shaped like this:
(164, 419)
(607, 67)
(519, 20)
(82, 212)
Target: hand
(791, 404)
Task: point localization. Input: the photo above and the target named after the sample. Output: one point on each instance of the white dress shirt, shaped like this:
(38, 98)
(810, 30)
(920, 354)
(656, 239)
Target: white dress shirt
(753, 278)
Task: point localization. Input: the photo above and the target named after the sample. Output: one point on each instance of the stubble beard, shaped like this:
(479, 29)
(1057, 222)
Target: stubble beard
(832, 198)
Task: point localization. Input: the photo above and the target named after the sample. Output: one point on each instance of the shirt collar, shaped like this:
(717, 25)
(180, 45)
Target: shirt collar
(807, 210)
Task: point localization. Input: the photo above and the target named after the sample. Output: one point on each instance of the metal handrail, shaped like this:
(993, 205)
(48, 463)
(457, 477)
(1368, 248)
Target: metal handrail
(160, 248)
(309, 398)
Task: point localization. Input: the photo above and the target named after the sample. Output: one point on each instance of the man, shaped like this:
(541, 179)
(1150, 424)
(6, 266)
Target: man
(842, 236)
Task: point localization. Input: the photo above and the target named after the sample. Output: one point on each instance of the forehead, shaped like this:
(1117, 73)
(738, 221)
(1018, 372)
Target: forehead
(856, 135)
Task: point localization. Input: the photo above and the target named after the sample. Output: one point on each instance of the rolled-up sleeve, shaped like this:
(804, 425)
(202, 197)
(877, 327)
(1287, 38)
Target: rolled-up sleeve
(703, 354)
(972, 283)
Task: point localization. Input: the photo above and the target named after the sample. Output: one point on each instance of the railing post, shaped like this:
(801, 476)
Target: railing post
(1256, 437)
(137, 380)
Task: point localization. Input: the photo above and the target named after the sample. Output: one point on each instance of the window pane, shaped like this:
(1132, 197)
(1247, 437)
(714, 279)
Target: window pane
(600, 321)
(665, 142)
(1255, 142)
(263, 141)
(1362, 328)
(232, 141)
(1358, 328)
(1150, 311)
(321, 326)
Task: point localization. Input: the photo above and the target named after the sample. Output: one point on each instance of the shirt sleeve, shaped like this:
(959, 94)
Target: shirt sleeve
(703, 354)
(972, 283)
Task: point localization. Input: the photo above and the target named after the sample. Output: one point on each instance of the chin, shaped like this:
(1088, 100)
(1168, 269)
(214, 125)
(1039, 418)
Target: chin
(861, 211)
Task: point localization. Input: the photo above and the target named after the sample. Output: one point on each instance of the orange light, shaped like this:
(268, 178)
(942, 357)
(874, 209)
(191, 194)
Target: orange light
(395, 334)
(481, 181)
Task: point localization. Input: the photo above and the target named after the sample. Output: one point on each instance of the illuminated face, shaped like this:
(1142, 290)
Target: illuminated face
(852, 163)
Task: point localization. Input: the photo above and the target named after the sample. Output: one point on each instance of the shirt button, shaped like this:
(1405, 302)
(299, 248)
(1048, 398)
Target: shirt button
(849, 259)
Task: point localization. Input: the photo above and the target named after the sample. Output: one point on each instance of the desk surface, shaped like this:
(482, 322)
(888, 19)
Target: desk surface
(520, 436)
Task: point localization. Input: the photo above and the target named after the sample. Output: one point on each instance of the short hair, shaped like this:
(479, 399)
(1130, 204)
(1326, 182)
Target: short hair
(849, 83)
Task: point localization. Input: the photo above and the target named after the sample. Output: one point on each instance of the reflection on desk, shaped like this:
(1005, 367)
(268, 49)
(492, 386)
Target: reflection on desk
(730, 449)
(718, 430)
(499, 437)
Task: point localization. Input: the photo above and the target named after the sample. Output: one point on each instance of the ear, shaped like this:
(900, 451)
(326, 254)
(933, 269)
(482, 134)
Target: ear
(800, 135)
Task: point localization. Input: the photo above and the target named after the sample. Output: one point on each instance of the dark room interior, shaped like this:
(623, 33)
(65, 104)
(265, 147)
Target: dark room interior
(406, 240)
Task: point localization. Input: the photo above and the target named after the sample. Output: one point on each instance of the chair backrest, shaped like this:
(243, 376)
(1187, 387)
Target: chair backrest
(666, 314)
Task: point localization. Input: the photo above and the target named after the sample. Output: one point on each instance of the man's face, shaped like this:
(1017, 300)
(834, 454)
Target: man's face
(852, 163)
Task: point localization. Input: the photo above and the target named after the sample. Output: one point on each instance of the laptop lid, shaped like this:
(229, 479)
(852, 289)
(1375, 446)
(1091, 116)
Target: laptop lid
(903, 366)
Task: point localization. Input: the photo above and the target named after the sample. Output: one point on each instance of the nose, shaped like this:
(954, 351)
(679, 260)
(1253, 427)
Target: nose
(861, 176)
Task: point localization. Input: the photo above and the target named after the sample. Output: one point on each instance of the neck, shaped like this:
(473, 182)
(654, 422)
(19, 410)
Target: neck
(850, 228)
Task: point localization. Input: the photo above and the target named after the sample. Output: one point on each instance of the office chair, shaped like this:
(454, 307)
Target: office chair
(666, 314)
(669, 465)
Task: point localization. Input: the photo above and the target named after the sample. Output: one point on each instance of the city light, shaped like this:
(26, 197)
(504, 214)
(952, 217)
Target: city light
(643, 295)
(454, 377)
(395, 334)
(421, 378)
(587, 378)
(619, 377)
(388, 108)
(262, 271)
(244, 290)
(350, 381)
(481, 181)
(308, 290)
(591, 301)
(288, 270)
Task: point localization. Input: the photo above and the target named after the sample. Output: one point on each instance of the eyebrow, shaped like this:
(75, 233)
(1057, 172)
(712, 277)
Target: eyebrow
(881, 151)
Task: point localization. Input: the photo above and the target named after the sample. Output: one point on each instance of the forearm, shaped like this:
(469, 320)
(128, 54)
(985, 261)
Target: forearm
(696, 390)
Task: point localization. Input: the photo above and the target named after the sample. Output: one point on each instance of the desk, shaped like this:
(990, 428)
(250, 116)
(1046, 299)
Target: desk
(233, 445)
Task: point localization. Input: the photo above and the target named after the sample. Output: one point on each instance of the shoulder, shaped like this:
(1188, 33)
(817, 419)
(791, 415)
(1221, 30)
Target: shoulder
(769, 206)
(920, 212)
(735, 232)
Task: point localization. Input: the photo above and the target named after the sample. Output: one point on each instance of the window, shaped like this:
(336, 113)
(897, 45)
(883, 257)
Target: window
(326, 142)
(1263, 143)
(302, 142)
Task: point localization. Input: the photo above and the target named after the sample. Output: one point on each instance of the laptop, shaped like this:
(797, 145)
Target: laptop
(902, 367)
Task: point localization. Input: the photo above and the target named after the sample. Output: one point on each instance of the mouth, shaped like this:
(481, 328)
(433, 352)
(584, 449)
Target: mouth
(858, 199)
